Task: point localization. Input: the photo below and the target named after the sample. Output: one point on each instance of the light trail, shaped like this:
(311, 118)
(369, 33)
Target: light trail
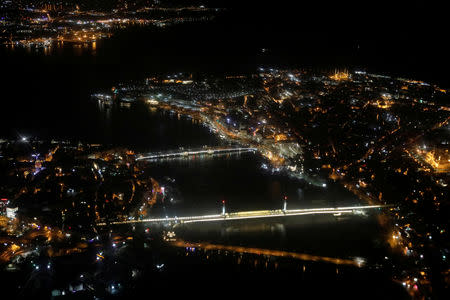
(259, 214)
(269, 216)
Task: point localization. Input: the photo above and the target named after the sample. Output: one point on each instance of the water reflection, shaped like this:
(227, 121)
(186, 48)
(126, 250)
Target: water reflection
(267, 252)
(275, 228)
(328, 236)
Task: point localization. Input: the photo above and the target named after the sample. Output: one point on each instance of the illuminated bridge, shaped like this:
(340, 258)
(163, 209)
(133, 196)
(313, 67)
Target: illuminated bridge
(194, 152)
(258, 214)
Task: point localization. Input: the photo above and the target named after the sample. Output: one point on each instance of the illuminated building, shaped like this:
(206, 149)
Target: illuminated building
(11, 212)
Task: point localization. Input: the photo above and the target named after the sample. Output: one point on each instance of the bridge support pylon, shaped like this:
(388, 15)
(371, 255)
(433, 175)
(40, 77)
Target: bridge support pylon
(223, 208)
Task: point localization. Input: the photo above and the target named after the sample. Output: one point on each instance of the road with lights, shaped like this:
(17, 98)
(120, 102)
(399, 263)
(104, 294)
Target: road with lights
(194, 152)
(258, 214)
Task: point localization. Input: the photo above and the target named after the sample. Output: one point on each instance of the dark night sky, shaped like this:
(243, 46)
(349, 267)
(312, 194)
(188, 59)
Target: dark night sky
(408, 37)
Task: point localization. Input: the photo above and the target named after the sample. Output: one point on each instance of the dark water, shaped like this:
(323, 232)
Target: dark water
(202, 182)
(325, 235)
(138, 128)
(198, 186)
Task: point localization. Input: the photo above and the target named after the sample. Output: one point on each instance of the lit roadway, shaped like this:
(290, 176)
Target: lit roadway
(258, 214)
(358, 262)
(195, 152)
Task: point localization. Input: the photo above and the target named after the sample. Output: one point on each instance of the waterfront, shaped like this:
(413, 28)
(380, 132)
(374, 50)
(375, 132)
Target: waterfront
(47, 93)
(239, 179)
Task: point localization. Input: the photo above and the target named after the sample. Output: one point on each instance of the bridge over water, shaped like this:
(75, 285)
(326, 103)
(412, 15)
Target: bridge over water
(191, 152)
(258, 214)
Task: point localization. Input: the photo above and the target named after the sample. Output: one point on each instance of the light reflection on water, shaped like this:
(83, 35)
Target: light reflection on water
(328, 236)
(199, 184)
(267, 252)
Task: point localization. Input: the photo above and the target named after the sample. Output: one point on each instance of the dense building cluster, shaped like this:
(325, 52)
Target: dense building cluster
(44, 24)
(385, 139)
